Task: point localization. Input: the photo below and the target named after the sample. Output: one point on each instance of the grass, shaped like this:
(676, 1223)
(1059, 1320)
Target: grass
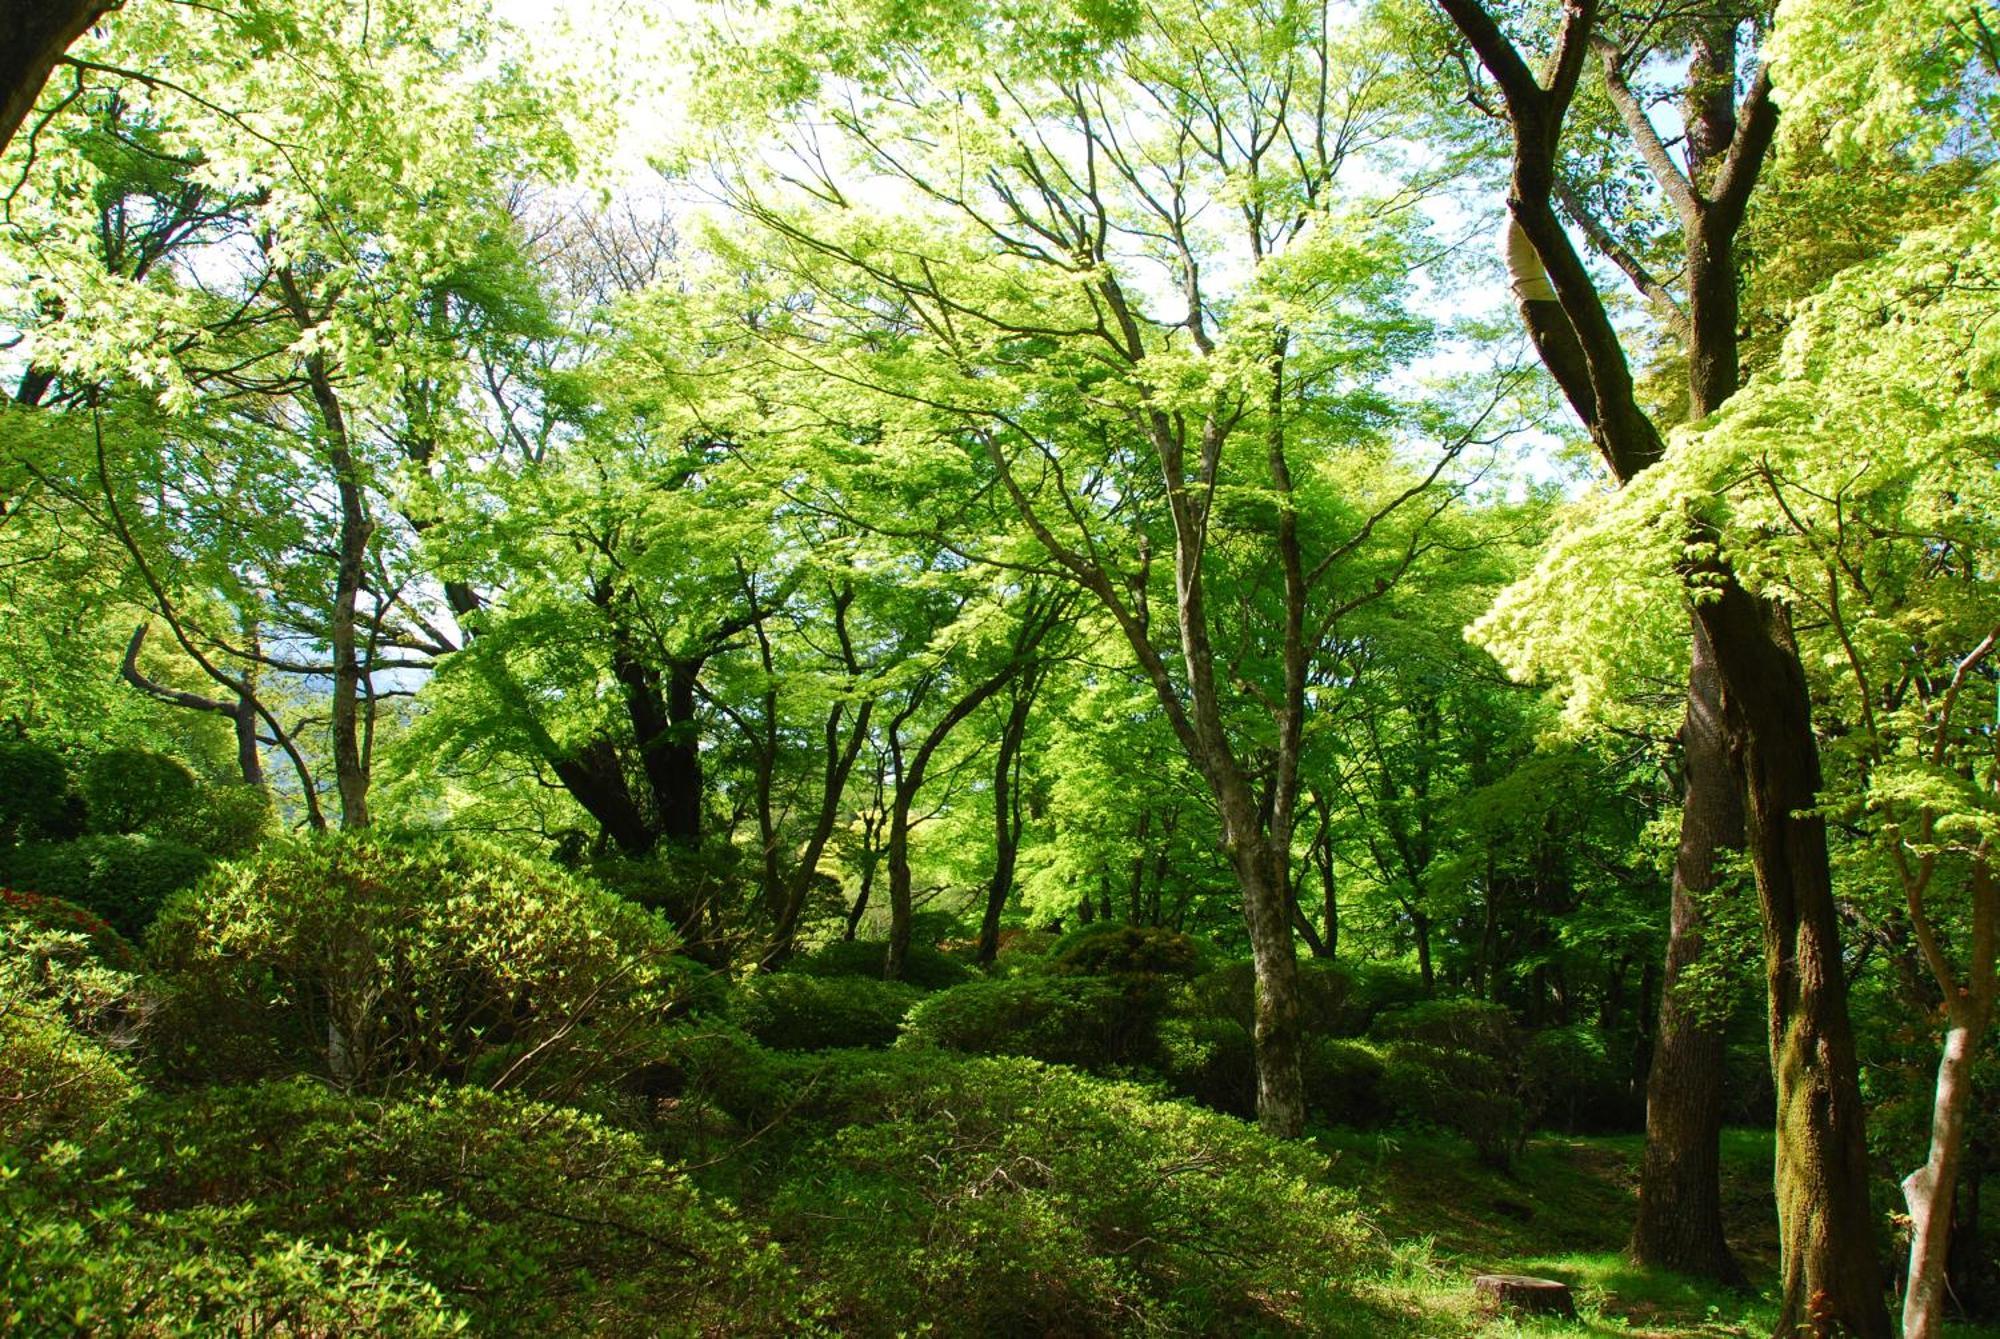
(1563, 1211)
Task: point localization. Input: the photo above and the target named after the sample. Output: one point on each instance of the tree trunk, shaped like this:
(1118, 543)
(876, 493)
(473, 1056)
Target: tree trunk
(34, 34)
(839, 766)
(1830, 1272)
(1928, 1190)
(1281, 1102)
(1679, 1225)
(1006, 822)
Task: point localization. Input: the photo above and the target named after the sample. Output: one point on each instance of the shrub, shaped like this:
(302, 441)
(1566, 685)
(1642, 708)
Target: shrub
(1455, 1064)
(1074, 1020)
(794, 1012)
(34, 793)
(65, 1019)
(1003, 1197)
(377, 961)
(1343, 1082)
(1211, 1060)
(541, 1220)
(925, 967)
(128, 790)
(1112, 949)
(1327, 1002)
(40, 911)
(112, 1271)
(123, 878)
(227, 821)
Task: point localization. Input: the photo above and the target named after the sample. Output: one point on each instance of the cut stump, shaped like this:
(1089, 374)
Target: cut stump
(1518, 1292)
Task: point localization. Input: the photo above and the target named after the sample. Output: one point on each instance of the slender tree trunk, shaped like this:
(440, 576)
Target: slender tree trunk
(350, 764)
(1928, 1190)
(1679, 1224)
(1006, 821)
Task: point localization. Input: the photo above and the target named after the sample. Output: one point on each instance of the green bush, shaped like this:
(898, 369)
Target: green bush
(123, 878)
(794, 1012)
(42, 912)
(102, 1269)
(66, 1021)
(227, 821)
(1455, 1064)
(377, 962)
(539, 1220)
(1073, 1020)
(35, 797)
(925, 967)
(1111, 949)
(1009, 1198)
(1211, 1060)
(1327, 1000)
(1343, 1082)
(129, 790)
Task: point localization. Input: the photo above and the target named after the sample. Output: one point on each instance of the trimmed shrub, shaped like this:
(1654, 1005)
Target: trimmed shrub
(129, 790)
(794, 1012)
(377, 962)
(1072, 1020)
(1121, 950)
(924, 967)
(1011, 1198)
(34, 793)
(1343, 1082)
(124, 878)
(227, 821)
(1211, 1060)
(539, 1219)
(42, 912)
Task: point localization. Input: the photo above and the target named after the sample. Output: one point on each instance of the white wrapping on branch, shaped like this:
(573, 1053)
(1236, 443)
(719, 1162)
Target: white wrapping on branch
(1525, 272)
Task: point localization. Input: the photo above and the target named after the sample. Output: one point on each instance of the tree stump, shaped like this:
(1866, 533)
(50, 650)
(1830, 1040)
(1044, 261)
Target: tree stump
(1518, 1292)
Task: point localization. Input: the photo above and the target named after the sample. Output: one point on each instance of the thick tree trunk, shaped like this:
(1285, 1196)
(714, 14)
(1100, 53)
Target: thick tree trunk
(1679, 1225)
(34, 34)
(1281, 1103)
(1830, 1272)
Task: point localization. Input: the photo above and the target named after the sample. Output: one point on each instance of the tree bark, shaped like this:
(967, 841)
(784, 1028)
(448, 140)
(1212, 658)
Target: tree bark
(34, 34)
(1006, 819)
(1679, 1224)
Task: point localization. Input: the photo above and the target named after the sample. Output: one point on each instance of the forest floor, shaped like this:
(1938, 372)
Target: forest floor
(1563, 1211)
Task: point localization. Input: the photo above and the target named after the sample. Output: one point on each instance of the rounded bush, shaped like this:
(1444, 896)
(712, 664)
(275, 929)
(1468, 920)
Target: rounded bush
(925, 967)
(34, 792)
(1000, 1197)
(66, 1019)
(1211, 1060)
(39, 911)
(538, 1219)
(1074, 1020)
(376, 961)
(1343, 1082)
(1327, 1001)
(1119, 950)
(1455, 1064)
(128, 790)
(227, 821)
(794, 1012)
(123, 878)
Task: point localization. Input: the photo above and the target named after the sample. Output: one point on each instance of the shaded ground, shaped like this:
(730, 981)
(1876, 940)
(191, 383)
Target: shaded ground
(1562, 1212)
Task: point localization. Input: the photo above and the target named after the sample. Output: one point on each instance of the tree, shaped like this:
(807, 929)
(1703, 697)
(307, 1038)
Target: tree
(1243, 440)
(1749, 709)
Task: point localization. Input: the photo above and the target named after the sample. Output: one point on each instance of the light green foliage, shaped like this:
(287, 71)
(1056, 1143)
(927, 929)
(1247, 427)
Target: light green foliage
(378, 962)
(926, 968)
(66, 1017)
